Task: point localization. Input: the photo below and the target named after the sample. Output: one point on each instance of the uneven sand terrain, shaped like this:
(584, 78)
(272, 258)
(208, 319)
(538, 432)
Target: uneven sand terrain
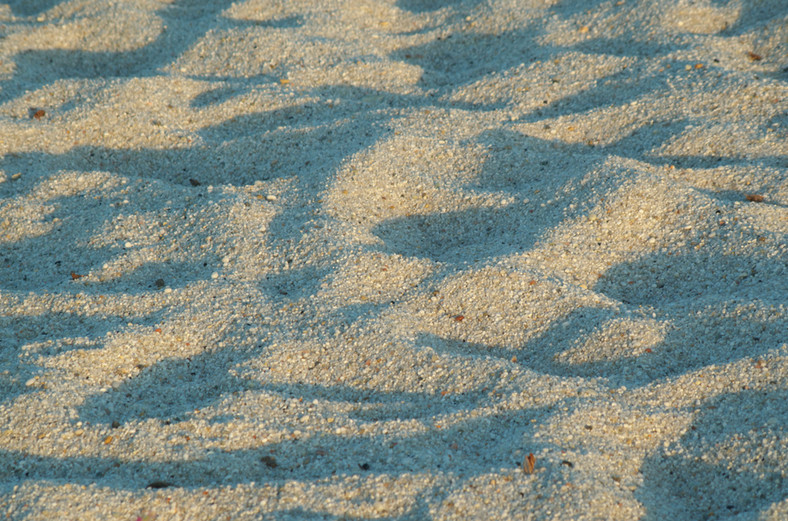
(394, 259)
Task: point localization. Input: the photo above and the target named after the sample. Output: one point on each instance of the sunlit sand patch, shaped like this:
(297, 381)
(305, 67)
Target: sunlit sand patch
(612, 426)
(109, 30)
(733, 447)
(375, 278)
(181, 334)
(609, 20)
(497, 308)
(653, 113)
(701, 19)
(772, 219)
(534, 85)
(726, 141)
(226, 63)
(344, 19)
(394, 77)
(21, 209)
(108, 113)
(764, 372)
(617, 339)
(390, 181)
(628, 222)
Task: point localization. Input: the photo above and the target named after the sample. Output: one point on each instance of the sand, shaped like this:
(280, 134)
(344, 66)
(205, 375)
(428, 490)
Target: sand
(394, 259)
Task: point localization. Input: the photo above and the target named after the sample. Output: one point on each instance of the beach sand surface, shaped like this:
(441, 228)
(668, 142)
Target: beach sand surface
(394, 259)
